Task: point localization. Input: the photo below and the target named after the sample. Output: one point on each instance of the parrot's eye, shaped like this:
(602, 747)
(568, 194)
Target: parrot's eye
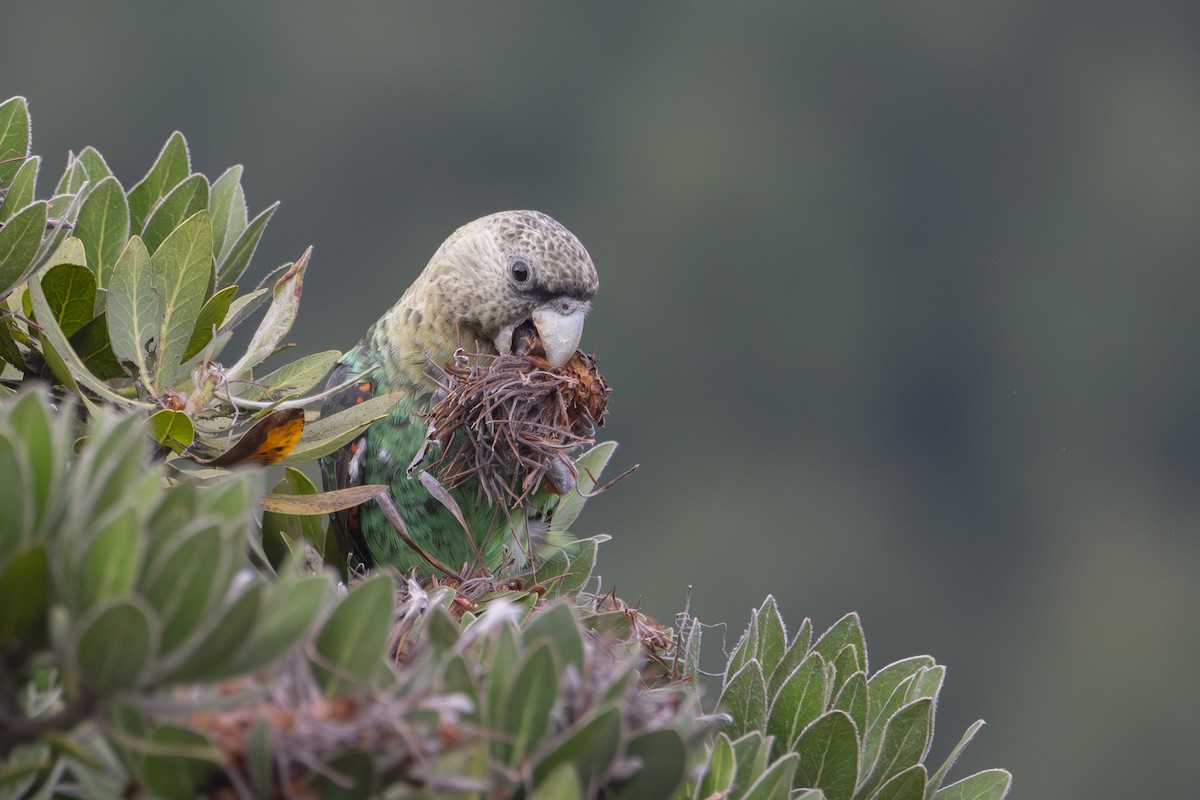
(520, 271)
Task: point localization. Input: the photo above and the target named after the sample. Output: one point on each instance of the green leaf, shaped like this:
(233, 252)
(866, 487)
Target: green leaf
(211, 317)
(590, 747)
(935, 782)
(721, 769)
(20, 192)
(589, 466)
(745, 698)
(14, 137)
(111, 561)
(234, 263)
(95, 351)
(927, 683)
(351, 640)
(663, 757)
(800, 700)
(906, 785)
(275, 324)
(113, 645)
(772, 637)
(71, 294)
(103, 227)
(847, 630)
(46, 452)
(556, 624)
(776, 782)
(792, 657)
(561, 784)
(227, 204)
(186, 581)
(882, 685)
(208, 658)
(183, 266)
(24, 591)
(292, 379)
(852, 698)
(289, 610)
(135, 309)
(828, 751)
(182, 761)
(61, 357)
(295, 527)
(19, 241)
(173, 429)
(530, 698)
(751, 754)
(169, 170)
(183, 202)
(991, 784)
(905, 742)
(746, 647)
(86, 168)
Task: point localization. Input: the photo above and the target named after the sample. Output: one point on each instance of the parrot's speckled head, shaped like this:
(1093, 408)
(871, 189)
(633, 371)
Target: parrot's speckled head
(491, 279)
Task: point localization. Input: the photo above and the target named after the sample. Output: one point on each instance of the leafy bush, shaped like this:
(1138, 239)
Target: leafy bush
(168, 630)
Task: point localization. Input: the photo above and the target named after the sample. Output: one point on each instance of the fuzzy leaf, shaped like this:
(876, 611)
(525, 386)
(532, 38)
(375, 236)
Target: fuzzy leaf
(590, 747)
(721, 769)
(800, 700)
(111, 560)
(113, 647)
(14, 137)
(227, 204)
(792, 657)
(530, 698)
(180, 764)
(234, 263)
(20, 191)
(828, 751)
(292, 379)
(103, 227)
(19, 241)
(751, 756)
(185, 585)
(745, 698)
(935, 782)
(71, 294)
(184, 201)
(772, 637)
(991, 784)
(746, 647)
(173, 429)
(290, 608)
(776, 782)
(211, 317)
(351, 641)
(183, 267)
(906, 785)
(24, 591)
(135, 309)
(663, 757)
(561, 784)
(905, 742)
(223, 637)
(852, 698)
(847, 630)
(589, 465)
(275, 324)
(557, 626)
(169, 170)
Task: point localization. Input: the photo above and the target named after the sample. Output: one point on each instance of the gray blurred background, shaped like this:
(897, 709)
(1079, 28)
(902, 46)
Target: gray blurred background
(899, 304)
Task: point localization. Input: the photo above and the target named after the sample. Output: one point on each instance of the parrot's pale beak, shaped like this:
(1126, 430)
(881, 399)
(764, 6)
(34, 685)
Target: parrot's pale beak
(560, 332)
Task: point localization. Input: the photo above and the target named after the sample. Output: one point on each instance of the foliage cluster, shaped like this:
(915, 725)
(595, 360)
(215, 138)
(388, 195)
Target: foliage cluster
(168, 630)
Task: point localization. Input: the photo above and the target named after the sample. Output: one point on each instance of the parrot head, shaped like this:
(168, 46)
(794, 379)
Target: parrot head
(515, 281)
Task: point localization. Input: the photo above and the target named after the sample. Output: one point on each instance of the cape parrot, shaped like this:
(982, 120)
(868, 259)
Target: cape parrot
(491, 277)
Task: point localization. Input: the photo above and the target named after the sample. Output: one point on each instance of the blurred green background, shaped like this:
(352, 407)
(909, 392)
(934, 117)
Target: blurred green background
(898, 302)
